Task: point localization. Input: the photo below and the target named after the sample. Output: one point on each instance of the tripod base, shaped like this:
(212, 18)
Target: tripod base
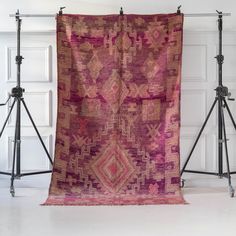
(225, 175)
(221, 93)
(16, 164)
(15, 176)
(17, 94)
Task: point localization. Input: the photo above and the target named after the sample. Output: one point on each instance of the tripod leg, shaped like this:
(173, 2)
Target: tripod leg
(220, 139)
(199, 134)
(40, 138)
(12, 189)
(230, 114)
(18, 139)
(231, 190)
(8, 116)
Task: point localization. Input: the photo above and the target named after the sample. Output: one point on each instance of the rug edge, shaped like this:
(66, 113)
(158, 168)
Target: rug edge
(51, 201)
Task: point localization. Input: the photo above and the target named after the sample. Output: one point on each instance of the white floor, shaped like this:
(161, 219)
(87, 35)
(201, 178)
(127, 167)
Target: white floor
(210, 212)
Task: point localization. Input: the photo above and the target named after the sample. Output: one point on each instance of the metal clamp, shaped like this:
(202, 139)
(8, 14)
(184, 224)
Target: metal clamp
(220, 59)
(121, 11)
(61, 10)
(17, 92)
(223, 140)
(178, 10)
(19, 59)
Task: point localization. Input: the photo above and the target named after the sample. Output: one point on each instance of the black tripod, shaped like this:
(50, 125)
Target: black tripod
(221, 93)
(17, 94)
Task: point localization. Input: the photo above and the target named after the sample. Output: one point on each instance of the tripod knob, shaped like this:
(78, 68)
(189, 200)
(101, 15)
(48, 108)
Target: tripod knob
(220, 59)
(19, 59)
(229, 97)
(17, 92)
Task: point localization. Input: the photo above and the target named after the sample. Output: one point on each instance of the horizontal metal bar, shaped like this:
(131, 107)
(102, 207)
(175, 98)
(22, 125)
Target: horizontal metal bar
(201, 172)
(25, 174)
(4, 173)
(205, 14)
(232, 173)
(33, 15)
(185, 15)
(36, 173)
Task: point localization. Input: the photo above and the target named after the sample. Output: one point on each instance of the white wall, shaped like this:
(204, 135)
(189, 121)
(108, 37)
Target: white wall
(39, 72)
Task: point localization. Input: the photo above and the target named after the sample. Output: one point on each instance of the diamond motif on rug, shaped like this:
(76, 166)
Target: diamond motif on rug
(113, 168)
(94, 67)
(114, 91)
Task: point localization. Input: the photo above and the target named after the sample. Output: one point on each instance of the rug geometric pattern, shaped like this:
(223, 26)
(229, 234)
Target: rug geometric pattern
(117, 137)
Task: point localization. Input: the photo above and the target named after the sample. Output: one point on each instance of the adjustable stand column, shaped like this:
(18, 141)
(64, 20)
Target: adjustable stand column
(221, 93)
(17, 95)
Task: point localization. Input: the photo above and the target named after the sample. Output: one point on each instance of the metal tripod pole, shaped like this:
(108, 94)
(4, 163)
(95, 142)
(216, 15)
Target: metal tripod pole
(220, 60)
(221, 93)
(18, 111)
(17, 94)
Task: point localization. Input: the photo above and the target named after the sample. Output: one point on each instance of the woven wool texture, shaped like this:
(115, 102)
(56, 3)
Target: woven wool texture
(117, 136)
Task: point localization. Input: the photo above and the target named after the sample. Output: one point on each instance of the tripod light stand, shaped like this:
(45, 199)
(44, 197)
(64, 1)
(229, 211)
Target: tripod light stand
(221, 93)
(18, 101)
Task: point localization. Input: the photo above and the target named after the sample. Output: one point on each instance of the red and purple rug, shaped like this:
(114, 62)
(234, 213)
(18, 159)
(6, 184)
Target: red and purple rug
(118, 124)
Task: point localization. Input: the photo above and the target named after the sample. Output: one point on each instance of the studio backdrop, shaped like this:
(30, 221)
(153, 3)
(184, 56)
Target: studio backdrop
(117, 136)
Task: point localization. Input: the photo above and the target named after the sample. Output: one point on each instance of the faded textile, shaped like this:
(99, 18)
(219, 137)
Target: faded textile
(117, 137)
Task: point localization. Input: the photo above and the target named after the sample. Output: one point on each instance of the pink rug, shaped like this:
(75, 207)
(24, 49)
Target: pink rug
(118, 124)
